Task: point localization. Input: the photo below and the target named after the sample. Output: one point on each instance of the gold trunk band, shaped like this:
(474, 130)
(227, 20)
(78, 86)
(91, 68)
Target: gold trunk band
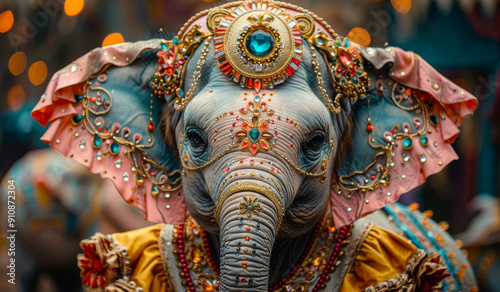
(253, 187)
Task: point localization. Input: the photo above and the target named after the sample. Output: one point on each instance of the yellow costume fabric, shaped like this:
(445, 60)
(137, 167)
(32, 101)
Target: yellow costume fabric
(383, 256)
(145, 260)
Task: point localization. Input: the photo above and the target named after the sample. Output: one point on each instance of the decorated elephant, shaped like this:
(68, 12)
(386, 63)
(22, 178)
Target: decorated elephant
(266, 145)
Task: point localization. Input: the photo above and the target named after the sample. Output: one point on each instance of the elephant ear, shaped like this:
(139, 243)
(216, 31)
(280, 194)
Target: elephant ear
(104, 115)
(401, 132)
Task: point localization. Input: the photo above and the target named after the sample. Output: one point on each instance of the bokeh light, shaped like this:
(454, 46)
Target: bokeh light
(37, 73)
(73, 7)
(17, 63)
(208, 1)
(401, 6)
(360, 36)
(6, 21)
(112, 39)
(16, 97)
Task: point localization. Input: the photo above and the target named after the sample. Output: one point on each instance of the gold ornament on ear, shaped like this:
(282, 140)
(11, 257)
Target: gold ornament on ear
(346, 66)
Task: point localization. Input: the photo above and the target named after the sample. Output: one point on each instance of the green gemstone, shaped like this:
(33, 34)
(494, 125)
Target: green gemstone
(97, 141)
(254, 134)
(407, 143)
(114, 148)
(77, 119)
(259, 43)
(434, 119)
(250, 207)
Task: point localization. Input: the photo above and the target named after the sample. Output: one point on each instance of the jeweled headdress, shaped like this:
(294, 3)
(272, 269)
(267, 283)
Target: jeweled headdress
(258, 45)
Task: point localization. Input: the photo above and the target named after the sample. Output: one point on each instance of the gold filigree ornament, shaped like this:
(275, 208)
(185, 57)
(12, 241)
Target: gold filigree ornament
(346, 66)
(250, 206)
(258, 45)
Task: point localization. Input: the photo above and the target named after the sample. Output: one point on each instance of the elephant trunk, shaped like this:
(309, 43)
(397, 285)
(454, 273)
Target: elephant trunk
(249, 217)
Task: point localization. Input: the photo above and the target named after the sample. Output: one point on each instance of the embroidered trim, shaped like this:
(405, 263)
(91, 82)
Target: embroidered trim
(421, 272)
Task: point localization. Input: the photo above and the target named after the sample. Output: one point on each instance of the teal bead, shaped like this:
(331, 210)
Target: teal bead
(97, 141)
(114, 148)
(259, 43)
(78, 98)
(250, 208)
(180, 92)
(254, 134)
(77, 119)
(424, 140)
(434, 119)
(175, 40)
(407, 143)
(164, 47)
(346, 42)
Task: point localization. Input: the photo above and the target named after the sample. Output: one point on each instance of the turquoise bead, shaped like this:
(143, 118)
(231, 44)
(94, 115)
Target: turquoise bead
(78, 98)
(407, 143)
(254, 134)
(180, 92)
(346, 42)
(434, 119)
(424, 140)
(164, 47)
(114, 148)
(259, 43)
(175, 40)
(97, 141)
(250, 208)
(77, 119)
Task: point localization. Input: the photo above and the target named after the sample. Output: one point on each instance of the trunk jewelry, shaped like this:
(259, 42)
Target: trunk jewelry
(251, 187)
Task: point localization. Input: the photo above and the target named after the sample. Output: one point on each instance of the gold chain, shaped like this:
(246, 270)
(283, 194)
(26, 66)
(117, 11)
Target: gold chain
(335, 106)
(180, 103)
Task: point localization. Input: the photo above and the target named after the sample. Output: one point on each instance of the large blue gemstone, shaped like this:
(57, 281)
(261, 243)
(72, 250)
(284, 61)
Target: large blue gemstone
(259, 43)
(254, 134)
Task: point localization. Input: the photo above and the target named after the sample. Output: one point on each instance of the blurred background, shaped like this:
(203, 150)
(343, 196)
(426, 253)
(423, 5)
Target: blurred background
(460, 38)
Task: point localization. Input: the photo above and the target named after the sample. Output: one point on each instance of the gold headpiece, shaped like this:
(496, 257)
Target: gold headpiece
(258, 45)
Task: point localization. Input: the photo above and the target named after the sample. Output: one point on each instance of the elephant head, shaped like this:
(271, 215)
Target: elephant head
(257, 120)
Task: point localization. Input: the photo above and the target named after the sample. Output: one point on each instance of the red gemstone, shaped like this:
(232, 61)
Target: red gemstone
(369, 127)
(151, 127)
(257, 85)
(169, 71)
(254, 148)
(345, 58)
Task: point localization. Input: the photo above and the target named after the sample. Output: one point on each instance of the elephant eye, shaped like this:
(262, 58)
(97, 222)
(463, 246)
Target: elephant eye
(197, 140)
(313, 145)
